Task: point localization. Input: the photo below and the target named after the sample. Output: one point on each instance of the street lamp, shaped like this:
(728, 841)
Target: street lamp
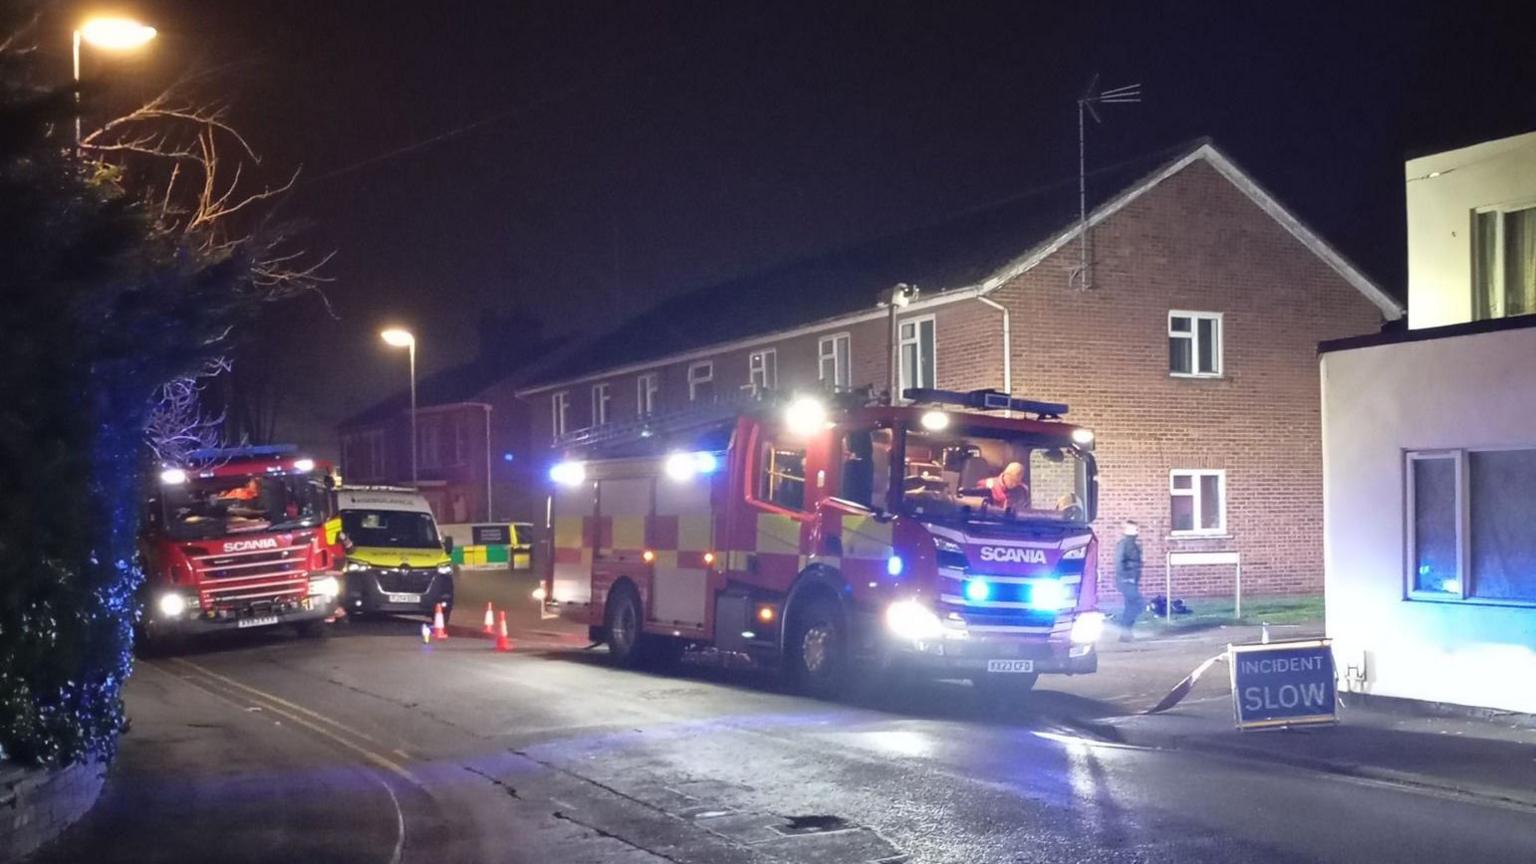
(107, 34)
(395, 337)
(899, 297)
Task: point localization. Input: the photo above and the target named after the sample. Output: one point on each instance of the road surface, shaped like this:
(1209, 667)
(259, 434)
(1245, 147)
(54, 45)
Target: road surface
(372, 747)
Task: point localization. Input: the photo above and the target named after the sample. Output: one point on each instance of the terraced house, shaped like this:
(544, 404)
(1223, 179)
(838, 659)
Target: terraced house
(1188, 343)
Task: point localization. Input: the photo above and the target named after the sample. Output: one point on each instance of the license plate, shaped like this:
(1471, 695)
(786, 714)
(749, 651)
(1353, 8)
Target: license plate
(403, 598)
(262, 621)
(1007, 666)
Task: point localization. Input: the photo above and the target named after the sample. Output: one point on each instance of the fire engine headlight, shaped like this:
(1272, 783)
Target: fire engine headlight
(909, 619)
(1047, 595)
(1088, 627)
(325, 586)
(172, 605)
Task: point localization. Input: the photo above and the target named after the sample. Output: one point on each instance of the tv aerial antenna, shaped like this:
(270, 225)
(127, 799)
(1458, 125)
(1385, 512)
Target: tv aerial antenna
(1087, 106)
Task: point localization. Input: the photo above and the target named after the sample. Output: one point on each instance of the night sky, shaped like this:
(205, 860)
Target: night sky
(582, 160)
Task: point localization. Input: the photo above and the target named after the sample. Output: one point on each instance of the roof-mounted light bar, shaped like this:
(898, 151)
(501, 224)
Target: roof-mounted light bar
(983, 400)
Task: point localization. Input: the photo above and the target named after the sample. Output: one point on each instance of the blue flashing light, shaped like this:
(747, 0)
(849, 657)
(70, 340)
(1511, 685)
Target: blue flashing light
(977, 590)
(507, 456)
(1047, 595)
(705, 463)
(893, 565)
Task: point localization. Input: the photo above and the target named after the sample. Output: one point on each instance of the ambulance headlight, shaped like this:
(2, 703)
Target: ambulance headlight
(445, 569)
(325, 586)
(172, 605)
(1047, 595)
(1088, 627)
(568, 473)
(356, 566)
(911, 620)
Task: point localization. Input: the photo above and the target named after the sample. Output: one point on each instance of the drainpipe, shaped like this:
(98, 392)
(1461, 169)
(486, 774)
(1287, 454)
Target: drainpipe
(488, 462)
(1007, 343)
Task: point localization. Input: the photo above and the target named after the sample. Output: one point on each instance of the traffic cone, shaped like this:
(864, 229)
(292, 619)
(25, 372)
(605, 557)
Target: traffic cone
(502, 642)
(490, 620)
(439, 629)
(426, 635)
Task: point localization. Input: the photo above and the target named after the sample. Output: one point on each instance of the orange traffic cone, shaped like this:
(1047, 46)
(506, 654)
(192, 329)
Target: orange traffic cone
(490, 620)
(439, 629)
(502, 642)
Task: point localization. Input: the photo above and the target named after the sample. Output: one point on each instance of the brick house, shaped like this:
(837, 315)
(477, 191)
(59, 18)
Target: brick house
(1191, 352)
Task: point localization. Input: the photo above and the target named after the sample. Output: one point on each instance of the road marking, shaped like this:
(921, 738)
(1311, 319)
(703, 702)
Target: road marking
(278, 707)
(274, 698)
(380, 761)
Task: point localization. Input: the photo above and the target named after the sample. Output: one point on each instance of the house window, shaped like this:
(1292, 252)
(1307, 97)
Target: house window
(832, 356)
(559, 410)
(1197, 501)
(429, 443)
(1468, 520)
(1194, 344)
(645, 394)
(460, 440)
(915, 347)
(763, 370)
(376, 467)
(600, 400)
(701, 381)
(1503, 262)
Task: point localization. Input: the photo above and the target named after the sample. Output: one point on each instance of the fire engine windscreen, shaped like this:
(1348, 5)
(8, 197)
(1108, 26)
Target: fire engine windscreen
(992, 474)
(218, 506)
(394, 529)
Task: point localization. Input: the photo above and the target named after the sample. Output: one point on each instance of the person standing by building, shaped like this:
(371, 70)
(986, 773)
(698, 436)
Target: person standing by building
(1128, 577)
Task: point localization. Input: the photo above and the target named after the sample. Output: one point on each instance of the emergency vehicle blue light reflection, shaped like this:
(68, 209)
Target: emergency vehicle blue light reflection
(568, 473)
(705, 463)
(977, 590)
(893, 565)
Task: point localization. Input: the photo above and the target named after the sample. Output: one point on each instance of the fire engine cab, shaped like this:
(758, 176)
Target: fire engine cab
(949, 535)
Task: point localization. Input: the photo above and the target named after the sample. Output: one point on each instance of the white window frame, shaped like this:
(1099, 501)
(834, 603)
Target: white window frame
(429, 432)
(826, 349)
(916, 339)
(1193, 336)
(763, 370)
(707, 367)
(1194, 493)
(1500, 290)
(646, 388)
(560, 413)
(1463, 529)
(602, 398)
(460, 439)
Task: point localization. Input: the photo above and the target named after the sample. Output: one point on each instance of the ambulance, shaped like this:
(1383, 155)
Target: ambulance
(396, 562)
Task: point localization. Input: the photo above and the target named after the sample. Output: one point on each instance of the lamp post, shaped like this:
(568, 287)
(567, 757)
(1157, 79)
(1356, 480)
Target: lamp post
(899, 297)
(108, 34)
(396, 337)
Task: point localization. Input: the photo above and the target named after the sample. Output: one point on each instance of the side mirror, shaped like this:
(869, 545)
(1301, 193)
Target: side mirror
(448, 545)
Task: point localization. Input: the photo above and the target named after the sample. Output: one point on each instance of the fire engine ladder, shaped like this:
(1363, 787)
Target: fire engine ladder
(662, 426)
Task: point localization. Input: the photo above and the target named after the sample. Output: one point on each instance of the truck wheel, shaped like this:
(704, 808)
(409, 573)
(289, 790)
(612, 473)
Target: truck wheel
(816, 650)
(622, 622)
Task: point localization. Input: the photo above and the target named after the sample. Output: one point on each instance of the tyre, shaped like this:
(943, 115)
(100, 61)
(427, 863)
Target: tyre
(622, 620)
(816, 648)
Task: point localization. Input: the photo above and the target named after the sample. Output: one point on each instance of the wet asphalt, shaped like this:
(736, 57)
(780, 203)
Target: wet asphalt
(372, 747)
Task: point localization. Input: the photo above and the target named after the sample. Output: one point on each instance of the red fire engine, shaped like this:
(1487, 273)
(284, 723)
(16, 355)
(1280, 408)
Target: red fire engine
(238, 539)
(950, 535)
